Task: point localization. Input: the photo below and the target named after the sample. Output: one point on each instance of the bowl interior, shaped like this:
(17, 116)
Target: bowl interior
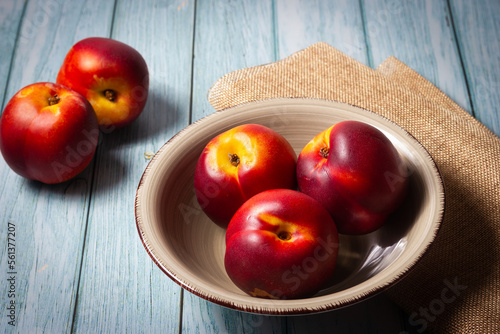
(189, 248)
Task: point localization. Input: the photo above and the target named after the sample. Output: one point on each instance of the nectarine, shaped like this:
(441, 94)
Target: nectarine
(355, 171)
(239, 163)
(281, 244)
(112, 75)
(48, 132)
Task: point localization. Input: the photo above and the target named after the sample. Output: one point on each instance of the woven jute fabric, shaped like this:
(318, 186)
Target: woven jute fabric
(455, 287)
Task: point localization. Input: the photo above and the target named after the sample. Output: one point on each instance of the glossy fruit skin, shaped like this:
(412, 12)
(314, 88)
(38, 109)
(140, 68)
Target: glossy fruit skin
(265, 160)
(112, 75)
(362, 179)
(297, 264)
(48, 143)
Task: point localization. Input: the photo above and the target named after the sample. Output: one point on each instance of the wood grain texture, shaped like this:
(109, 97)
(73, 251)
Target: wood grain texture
(50, 219)
(419, 34)
(11, 12)
(477, 26)
(11, 15)
(301, 23)
(230, 35)
(122, 290)
(205, 317)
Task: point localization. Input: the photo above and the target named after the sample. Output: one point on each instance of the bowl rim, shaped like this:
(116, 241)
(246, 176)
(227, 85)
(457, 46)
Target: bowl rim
(275, 307)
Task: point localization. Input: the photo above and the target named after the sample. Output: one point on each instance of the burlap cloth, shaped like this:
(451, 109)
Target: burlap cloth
(455, 287)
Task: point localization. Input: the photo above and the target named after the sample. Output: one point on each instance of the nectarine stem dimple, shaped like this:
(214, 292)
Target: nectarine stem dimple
(54, 100)
(324, 152)
(234, 159)
(284, 235)
(110, 94)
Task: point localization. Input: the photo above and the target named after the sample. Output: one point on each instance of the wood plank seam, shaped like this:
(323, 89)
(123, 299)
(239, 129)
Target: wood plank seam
(16, 42)
(369, 54)
(461, 57)
(89, 204)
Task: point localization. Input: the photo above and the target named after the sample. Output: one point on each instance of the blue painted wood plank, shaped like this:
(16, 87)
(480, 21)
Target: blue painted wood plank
(477, 25)
(419, 34)
(10, 18)
(121, 289)
(204, 317)
(50, 220)
(300, 23)
(230, 35)
(11, 12)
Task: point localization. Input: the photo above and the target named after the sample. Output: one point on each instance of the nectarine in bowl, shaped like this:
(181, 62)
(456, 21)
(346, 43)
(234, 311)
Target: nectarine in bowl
(189, 248)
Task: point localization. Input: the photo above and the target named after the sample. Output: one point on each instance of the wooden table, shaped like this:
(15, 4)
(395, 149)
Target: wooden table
(79, 263)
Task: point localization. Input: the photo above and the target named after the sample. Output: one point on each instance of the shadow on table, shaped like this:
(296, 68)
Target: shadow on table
(377, 314)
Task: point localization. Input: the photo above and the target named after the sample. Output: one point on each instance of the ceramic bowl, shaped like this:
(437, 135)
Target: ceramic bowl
(189, 247)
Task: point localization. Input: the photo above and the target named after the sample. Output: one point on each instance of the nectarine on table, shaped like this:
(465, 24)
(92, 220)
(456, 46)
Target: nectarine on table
(48, 132)
(112, 75)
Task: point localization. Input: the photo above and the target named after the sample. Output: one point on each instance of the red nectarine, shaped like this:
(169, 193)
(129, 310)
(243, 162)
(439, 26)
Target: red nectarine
(112, 75)
(239, 163)
(48, 132)
(355, 171)
(281, 244)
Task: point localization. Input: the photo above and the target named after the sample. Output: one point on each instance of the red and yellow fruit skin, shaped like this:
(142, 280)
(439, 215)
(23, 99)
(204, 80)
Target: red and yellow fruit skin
(95, 65)
(298, 264)
(362, 179)
(48, 143)
(266, 161)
